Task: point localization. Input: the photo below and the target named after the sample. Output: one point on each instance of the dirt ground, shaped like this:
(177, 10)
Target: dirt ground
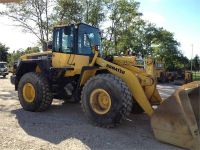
(64, 126)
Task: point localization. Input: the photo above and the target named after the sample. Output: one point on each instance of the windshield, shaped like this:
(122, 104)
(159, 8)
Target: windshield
(2, 65)
(87, 38)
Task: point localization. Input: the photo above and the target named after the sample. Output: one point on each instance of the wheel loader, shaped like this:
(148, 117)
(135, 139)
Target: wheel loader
(109, 88)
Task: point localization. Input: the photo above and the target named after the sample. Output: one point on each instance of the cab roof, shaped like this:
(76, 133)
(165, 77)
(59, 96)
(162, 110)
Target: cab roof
(66, 25)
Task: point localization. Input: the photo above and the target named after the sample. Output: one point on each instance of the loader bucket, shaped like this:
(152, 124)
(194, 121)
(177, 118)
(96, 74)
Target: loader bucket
(177, 119)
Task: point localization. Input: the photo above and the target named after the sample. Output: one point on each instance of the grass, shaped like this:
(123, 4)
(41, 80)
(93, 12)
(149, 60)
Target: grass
(196, 76)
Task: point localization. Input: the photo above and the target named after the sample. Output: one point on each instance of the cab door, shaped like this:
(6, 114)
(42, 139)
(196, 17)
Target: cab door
(65, 51)
(62, 48)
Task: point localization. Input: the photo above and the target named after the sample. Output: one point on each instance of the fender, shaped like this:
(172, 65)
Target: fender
(26, 66)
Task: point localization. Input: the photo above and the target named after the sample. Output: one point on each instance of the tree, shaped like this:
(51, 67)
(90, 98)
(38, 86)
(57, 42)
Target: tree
(15, 55)
(126, 30)
(3, 52)
(32, 16)
(145, 37)
(74, 11)
(94, 12)
(67, 12)
(196, 63)
(166, 49)
(125, 21)
(30, 50)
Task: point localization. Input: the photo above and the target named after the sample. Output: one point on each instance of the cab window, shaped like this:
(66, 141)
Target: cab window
(87, 38)
(67, 41)
(56, 45)
(63, 40)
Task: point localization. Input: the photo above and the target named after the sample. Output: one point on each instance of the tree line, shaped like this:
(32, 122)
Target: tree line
(120, 21)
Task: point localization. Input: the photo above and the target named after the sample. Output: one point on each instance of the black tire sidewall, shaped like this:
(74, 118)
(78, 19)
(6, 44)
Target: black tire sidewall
(30, 78)
(116, 102)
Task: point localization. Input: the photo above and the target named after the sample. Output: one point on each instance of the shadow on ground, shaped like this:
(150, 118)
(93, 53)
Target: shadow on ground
(66, 121)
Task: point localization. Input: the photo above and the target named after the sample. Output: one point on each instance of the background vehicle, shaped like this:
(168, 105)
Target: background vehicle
(109, 87)
(160, 72)
(3, 69)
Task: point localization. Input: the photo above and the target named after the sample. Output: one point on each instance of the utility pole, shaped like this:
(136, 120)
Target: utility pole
(191, 57)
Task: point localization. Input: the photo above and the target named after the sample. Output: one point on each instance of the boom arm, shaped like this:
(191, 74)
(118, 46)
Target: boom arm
(132, 82)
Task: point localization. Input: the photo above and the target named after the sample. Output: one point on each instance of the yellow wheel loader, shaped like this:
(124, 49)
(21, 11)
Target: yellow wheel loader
(109, 87)
(187, 76)
(160, 72)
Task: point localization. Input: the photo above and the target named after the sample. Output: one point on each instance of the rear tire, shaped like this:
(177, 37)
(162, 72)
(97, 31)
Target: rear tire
(43, 97)
(119, 94)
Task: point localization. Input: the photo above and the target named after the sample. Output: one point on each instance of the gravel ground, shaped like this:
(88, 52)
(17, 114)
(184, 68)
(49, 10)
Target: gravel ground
(64, 126)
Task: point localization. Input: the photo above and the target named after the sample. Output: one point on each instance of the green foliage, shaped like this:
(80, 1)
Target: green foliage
(120, 20)
(30, 50)
(67, 11)
(15, 55)
(128, 32)
(125, 21)
(166, 49)
(73, 11)
(3, 52)
(196, 76)
(94, 12)
(196, 63)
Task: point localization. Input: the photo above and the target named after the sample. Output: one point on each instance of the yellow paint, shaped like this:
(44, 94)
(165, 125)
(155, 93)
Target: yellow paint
(38, 70)
(77, 62)
(28, 92)
(80, 61)
(100, 101)
(94, 58)
(132, 82)
(86, 75)
(150, 68)
(61, 60)
(188, 76)
(25, 57)
(125, 60)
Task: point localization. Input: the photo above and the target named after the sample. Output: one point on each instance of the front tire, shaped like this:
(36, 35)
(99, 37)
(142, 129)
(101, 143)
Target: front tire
(34, 92)
(106, 100)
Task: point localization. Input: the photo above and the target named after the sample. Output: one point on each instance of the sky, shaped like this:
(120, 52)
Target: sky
(182, 17)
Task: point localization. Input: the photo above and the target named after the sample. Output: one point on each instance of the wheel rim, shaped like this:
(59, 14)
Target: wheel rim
(100, 101)
(28, 92)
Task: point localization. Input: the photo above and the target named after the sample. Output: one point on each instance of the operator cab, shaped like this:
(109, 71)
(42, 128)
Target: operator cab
(76, 39)
(73, 46)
